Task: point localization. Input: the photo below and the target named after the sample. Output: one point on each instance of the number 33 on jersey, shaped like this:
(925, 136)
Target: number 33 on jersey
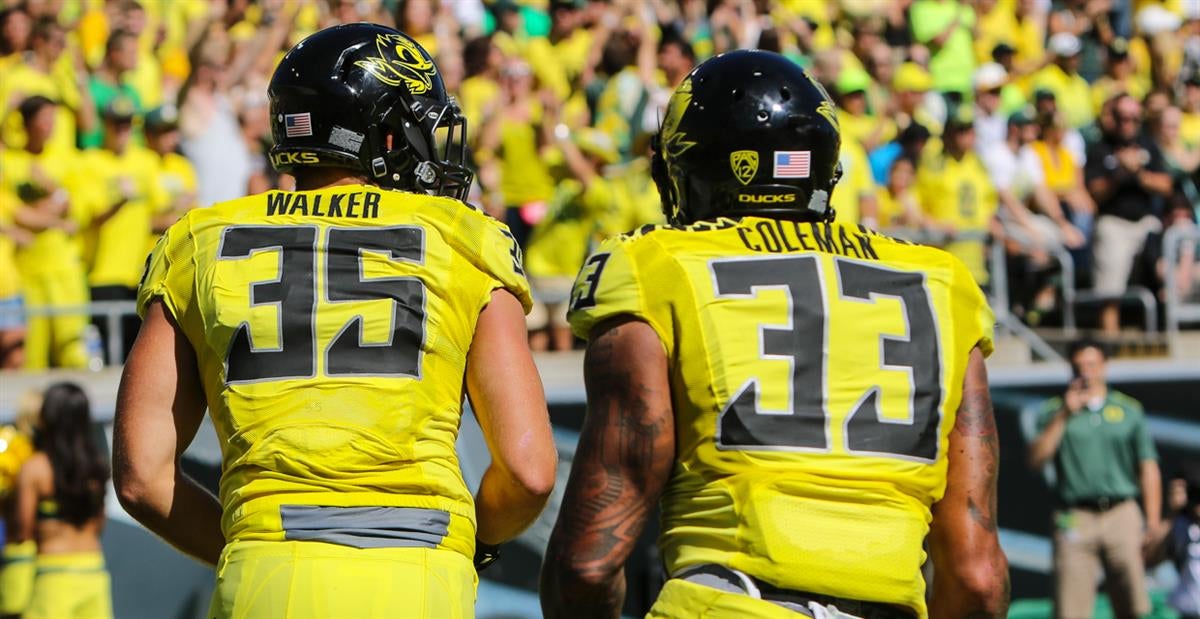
(804, 357)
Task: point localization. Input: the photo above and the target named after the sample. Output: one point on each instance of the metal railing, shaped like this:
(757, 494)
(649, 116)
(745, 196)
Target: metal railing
(1179, 310)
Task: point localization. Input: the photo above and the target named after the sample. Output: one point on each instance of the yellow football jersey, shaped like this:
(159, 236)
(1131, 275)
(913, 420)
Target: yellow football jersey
(816, 370)
(331, 329)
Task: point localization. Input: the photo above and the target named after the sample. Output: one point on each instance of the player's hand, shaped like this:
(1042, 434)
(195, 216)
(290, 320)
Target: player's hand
(1075, 396)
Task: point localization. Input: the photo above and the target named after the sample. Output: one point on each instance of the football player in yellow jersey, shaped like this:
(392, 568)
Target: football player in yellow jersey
(333, 332)
(807, 398)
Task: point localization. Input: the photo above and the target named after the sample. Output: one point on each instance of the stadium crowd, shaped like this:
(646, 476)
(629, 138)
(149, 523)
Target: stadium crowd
(1052, 127)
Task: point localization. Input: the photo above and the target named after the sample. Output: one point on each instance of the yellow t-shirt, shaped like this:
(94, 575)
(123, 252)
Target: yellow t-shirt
(116, 249)
(858, 128)
(473, 94)
(1059, 169)
(524, 176)
(557, 65)
(999, 25)
(20, 81)
(10, 277)
(562, 240)
(29, 178)
(857, 181)
(959, 193)
(1072, 93)
(331, 331)
(816, 370)
(635, 196)
(1189, 128)
(1106, 87)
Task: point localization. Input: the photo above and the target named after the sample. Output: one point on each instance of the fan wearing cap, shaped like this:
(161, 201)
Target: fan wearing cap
(1062, 78)
(570, 231)
(859, 123)
(914, 103)
(990, 80)
(1120, 76)
(120, 178)
(174, 189)
(956, 194)
(111, 80)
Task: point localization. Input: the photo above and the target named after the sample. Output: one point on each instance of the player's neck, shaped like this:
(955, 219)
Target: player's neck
(320, 178)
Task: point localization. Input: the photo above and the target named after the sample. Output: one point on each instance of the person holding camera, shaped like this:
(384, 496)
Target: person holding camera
(1104, 459)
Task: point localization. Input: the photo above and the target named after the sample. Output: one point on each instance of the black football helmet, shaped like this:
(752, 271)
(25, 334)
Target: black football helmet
(747, 133)
(340, 93)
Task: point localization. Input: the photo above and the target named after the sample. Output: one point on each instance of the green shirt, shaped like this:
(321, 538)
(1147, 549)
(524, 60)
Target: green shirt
(1102, 449)
(102, 94)
(952, 64)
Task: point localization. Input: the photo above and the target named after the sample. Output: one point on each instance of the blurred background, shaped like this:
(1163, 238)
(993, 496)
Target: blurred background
(1053, 145)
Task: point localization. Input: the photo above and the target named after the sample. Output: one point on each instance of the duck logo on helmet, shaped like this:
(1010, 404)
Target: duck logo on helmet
(744, 164)
(400, 61)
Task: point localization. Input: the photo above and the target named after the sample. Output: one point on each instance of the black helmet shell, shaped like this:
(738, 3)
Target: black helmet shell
(338, 95)
(747, 132)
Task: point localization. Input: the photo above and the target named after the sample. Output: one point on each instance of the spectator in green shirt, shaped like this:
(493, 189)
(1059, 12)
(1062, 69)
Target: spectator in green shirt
(944, 26)
(110, 81)
(1103, 460)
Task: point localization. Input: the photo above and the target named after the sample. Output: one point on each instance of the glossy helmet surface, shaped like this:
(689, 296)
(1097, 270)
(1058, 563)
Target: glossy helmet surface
(747, 133)
(339, 94)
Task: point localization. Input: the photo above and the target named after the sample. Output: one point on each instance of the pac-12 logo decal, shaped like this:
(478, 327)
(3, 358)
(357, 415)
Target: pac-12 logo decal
(744, 164)
(400, 61)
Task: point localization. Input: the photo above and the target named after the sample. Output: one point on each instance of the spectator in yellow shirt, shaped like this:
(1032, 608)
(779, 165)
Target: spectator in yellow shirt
(12, 303)
(1062, 78)
(856, 121)
(570, 231)
(46, 70)
(41, 181)
(119, 227)
(957, 196)
(174, 190)
(1120, 76)
(912, 85)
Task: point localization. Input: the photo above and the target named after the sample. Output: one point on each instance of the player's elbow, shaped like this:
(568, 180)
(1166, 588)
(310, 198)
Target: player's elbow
(535, 477)
(133, 493)
(138, 490)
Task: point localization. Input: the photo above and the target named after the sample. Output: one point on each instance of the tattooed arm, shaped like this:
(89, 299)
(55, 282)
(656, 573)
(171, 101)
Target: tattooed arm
(624, 459)
(970, 572)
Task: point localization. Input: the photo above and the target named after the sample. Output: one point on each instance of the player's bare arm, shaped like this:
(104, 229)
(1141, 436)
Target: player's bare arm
(625, 456)
(970, 569)
(160, 405)
(506, 395)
